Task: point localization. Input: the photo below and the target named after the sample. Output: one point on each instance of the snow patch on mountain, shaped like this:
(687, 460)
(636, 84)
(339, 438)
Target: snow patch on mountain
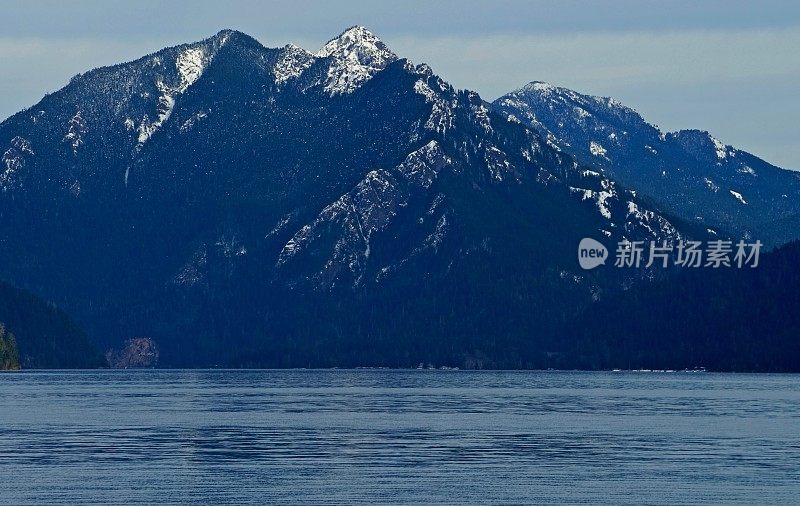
(580, 112)
(656, 225)
(190, 65)
(293, 61)
(540, 86)
(601, 196)
(14, 160)
(512, 102)
(436, 238)
(278, 228)
(597, 149)
(497, 163)
(442, 116)
(76, 129)
(711, 185)
(189, 123)
(193, 271)
(22, 145)
(719, 147)
(738, 196)
(421, 167)
(481, 113)
(230, 246)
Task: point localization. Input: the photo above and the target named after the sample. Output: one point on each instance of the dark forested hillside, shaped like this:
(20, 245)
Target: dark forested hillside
(45, 335)
(728, 320)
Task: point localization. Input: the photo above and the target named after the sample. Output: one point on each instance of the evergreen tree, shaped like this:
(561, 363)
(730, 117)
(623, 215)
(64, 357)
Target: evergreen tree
(9, 356)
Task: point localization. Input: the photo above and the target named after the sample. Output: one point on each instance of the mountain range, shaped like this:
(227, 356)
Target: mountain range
(250, 206)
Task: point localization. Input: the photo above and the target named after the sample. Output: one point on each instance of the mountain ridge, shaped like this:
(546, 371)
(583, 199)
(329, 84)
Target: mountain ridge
(689, 172)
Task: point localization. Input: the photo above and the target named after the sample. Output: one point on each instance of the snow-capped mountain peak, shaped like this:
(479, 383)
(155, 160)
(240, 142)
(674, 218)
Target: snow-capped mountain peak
(540, 86)
(356, 56)
(355, 39)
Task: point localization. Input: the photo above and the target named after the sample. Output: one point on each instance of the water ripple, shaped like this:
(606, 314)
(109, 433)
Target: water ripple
(398, 436)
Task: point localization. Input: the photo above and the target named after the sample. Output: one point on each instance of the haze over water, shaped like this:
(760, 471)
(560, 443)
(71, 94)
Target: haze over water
(398, 436)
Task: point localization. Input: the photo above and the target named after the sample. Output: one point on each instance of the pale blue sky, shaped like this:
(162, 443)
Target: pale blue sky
(729, 67)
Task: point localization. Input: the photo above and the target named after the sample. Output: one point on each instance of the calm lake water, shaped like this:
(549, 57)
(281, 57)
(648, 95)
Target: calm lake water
(398, 436)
